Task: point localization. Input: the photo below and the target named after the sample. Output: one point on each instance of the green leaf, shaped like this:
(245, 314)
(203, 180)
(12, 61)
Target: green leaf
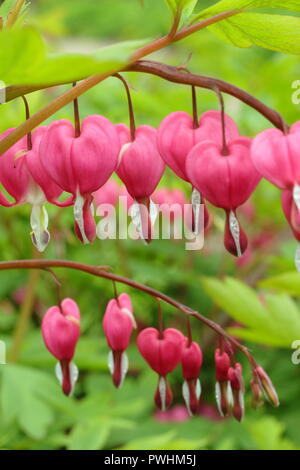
(287, 282)
(21, 399)
(275, 323)
(227, 5)
(89, 435)
(275, 32)
(186, 7)
(268, 434)
(24, 60)
(156, 442)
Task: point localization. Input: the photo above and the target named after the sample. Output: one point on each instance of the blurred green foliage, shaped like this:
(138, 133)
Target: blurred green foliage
(34, 414)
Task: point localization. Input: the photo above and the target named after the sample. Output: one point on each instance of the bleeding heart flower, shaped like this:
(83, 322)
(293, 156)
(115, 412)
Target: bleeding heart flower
(177, 135)
(223, 395)
(24, 178)
(81, 165)
(226, 181)
(163, 352)
(140, 168)
(191, 362)
(235, 376)
(61, 330)
(118, 324)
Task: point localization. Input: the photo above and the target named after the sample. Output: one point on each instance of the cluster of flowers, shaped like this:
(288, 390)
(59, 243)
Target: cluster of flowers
(222, 167)
(163, 350)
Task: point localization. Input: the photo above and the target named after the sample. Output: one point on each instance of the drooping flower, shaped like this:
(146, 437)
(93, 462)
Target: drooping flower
(266, 385)
(140, 167)
(81, 165)
(191, 362)
(235, 377)
(118, 324)
(223, 396)
(61, 330)
(163, 352)
(227, 181)
(24, 178)
(177, 136)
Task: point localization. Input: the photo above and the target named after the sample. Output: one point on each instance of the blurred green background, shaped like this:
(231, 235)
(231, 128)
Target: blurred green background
(34, 413)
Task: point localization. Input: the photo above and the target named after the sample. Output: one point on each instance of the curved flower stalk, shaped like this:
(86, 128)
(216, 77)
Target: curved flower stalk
(81, 165)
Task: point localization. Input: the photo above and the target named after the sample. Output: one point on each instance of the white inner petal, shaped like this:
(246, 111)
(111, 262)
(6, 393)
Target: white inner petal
(297, 258)
(162, 387)
(130, 314)
(110, 362)
(39, 223)
(235, 232)
(196, 204)
(124, 367)
(186, 396)
(296, 196)
(78, 215)
(218, 398)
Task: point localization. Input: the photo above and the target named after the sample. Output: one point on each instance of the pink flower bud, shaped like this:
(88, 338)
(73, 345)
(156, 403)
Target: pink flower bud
(81, 165)
(118, 323)
(191, 362)
(223, 395)
(266, 385)
(222, 362)
(162, 352)
(237, 386)
(61, 330)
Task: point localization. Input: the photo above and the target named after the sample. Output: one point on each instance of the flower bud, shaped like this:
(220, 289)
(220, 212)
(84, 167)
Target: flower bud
(61, 330)
(237, 386)
(191, 363)
(266, 385)
(118, 323)
(223, 390)
(163, 352)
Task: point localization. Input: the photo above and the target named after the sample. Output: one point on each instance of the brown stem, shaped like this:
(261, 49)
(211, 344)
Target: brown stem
(172, 74)
(225, 150)
(189, 331)
(101, 271)
(160, 319)
(76, 115)
(195, 112)
(130, 107)
(27, 115)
